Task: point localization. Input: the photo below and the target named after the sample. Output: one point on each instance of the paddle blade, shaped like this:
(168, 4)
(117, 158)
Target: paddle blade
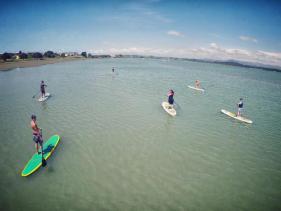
(44, 162)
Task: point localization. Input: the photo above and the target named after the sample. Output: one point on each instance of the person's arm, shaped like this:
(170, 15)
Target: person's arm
(37, 129)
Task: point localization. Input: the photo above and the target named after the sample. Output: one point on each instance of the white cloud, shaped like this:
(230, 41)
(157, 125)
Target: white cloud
(175, 33)
(213, 51)
(247, 38)
(269, 54)
(214, 45)
(220, 53)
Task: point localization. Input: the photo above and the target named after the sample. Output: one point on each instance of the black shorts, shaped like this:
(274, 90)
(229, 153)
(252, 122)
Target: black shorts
(37, 139)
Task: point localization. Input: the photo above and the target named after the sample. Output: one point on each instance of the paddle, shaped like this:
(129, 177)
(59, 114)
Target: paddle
(44, 162)
(35, 94)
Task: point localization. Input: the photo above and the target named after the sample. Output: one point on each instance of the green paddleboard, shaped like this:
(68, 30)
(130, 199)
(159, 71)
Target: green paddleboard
(36, 161)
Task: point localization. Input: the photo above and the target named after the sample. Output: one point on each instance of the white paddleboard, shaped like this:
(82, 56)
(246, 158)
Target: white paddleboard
(198, 89)
(240, 118)
(169, 108)
(41, 99)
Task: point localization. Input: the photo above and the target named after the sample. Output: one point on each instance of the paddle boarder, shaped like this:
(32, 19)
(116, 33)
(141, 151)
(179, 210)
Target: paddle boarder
(171, 97)
(42, 88)
(240, 107)
(197, 84)
(37, 137)
(113, 69)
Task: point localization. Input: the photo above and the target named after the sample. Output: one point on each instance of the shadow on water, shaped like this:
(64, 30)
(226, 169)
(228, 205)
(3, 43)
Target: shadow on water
(48, 149)
(51, 169)
(177, 106)
(57, 150)
(168, 124)
(45, 103)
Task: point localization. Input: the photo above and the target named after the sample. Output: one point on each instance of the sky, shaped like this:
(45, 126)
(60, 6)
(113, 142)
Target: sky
(238, 30)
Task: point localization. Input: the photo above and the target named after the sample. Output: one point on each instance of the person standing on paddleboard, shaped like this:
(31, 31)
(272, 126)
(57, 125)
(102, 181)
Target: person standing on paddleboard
(171, 97)
(240, 107)
(37, 137)
(113, 69)
(197, 84)
(42, 88)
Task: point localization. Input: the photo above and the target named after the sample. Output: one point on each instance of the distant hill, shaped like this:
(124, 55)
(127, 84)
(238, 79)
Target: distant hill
(224, 62)
(248, 65)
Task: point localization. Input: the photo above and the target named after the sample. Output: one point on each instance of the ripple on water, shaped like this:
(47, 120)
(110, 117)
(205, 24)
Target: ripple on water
(120, 150)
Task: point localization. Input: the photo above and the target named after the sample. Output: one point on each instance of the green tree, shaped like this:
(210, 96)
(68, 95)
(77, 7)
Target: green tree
(50, 54)
(37, 55)
(6, 56)
(84, 54)
(23, 55)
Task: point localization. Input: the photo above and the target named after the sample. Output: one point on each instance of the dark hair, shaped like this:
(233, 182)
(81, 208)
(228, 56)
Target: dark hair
(33, 116)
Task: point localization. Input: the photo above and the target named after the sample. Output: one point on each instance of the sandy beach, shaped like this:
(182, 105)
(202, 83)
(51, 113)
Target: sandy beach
(35, 62)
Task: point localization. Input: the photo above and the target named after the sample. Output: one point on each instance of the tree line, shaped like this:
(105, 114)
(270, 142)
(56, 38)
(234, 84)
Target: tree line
(34, 55)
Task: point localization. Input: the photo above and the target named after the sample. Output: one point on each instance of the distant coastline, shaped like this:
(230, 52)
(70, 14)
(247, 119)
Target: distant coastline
(10, 65)
(227, 62)
(51, 58)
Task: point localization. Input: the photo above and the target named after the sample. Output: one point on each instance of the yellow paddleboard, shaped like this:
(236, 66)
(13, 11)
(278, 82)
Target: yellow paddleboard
(240, 118)
(169, 108)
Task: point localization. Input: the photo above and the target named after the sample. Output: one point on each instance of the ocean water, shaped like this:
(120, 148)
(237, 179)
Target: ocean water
(120, 150)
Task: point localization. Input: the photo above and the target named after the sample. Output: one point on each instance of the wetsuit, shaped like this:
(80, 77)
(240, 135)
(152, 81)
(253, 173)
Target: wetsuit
(240, 107)
(171, 98)
(42, 88)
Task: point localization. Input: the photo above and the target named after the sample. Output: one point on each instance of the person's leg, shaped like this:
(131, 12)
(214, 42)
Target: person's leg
(34, 138)
(239, 112)
(38, 141)
(171, 102)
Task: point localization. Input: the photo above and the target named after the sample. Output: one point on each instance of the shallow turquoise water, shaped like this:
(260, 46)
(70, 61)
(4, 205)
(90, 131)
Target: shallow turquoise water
(121, 151)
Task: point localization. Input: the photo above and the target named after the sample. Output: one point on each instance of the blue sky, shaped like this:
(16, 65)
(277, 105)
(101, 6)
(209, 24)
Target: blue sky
(246, 30)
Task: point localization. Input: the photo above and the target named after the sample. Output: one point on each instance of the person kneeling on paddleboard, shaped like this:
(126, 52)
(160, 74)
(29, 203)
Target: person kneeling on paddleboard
(37, 137)
(240, 107)
(197, 84)
(171, 97)
(42, 88)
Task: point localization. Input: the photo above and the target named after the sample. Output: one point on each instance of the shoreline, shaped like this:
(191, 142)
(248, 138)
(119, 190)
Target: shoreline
(10, 65)
(6, 66)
